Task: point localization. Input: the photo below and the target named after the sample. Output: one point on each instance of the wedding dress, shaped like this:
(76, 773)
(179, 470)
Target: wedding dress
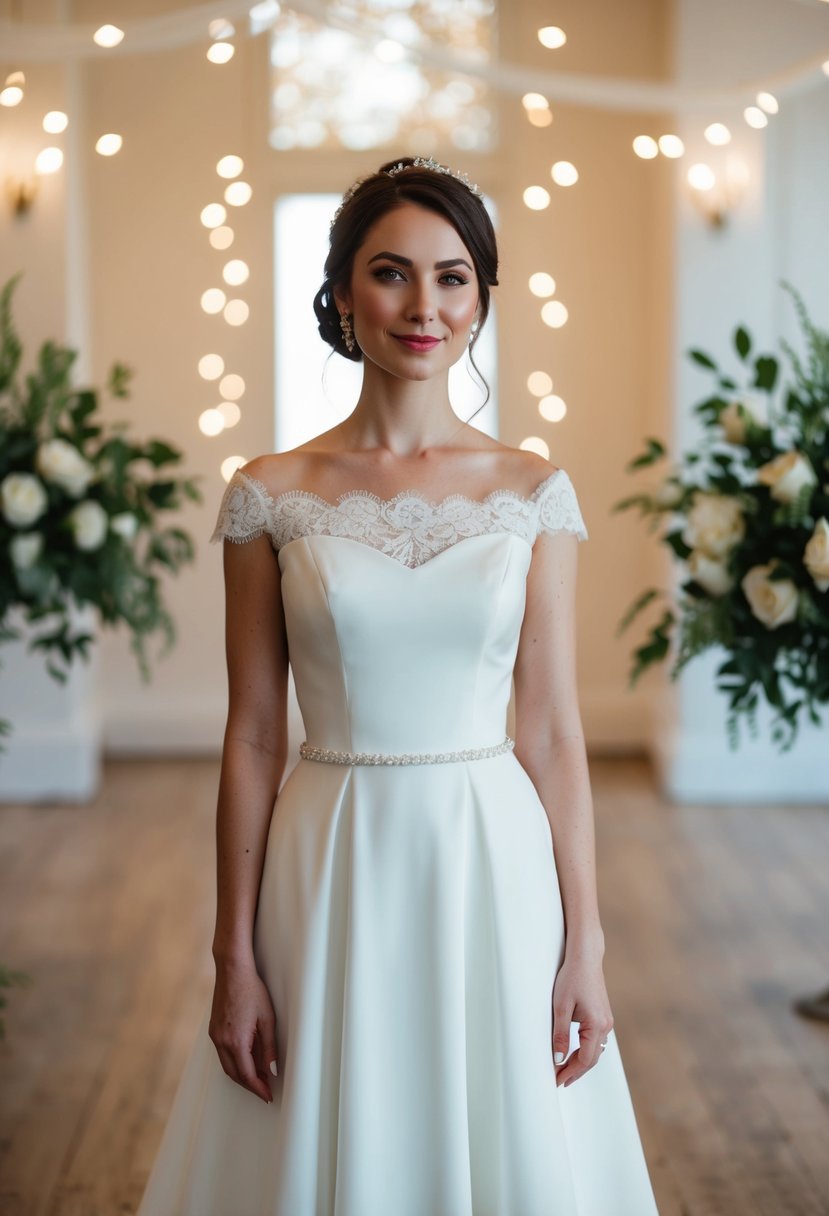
(409, 926)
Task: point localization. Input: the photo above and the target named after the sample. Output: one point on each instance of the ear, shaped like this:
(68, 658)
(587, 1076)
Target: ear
(342, 299)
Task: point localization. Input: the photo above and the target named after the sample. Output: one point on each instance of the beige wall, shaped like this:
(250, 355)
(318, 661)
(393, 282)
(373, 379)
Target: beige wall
(607, 242)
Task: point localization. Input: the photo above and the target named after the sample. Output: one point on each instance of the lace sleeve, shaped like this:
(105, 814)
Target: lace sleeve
(243, 512)
(558, 507)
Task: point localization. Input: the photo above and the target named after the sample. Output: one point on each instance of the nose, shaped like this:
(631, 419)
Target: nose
(421, 304)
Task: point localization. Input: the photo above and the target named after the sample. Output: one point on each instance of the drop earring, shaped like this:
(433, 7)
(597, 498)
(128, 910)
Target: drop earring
(348, 332)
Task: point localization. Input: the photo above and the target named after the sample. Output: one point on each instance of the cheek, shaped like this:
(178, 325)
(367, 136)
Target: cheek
(375, 307)
(460, 311)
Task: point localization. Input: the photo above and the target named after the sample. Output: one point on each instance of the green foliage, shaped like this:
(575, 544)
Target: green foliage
(130, 483)
(750, 443)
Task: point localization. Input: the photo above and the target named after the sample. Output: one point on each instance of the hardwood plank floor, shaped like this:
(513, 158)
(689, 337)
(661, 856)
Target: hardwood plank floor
(714, 919)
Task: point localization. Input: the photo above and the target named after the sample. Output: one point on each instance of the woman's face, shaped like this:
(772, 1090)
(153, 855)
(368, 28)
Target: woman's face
(413, 294)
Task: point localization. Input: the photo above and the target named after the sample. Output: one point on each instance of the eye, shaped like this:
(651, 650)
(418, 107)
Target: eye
(460, 281)
(384, 271)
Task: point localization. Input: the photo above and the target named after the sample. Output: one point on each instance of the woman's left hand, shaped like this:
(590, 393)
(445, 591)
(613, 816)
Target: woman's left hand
(580, 995)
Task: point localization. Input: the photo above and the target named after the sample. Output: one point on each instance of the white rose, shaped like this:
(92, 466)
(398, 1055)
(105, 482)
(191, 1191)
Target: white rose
(26, 548)
(24, 499)
(715, 524)
(125, 524)
(709, 573)
(62, 463)
(785, 475)
(668, 494)
(89, 524)
(733, 418)
(773, 603)
(816, 554)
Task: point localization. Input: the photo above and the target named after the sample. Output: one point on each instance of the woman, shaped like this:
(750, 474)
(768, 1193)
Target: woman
(408, 946)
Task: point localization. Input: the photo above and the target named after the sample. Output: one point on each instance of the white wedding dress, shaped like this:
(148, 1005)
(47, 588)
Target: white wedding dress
(409, 926)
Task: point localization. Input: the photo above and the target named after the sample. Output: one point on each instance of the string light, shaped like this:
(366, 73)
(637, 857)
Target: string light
(213, 300)
(552, 36)
(211, 367)
(564, 173)
(237, 194)
(235, 272)
(671, 146)
(701, 177)
(718, 134)
(230, 464)
(230, 166)
(236, 312)
(542, 284)
(552, 408)
(213, 214)
(539, 384)
(222, 237)
(49, 160)
(645, 147)
(108, 36)
(768, 102)
(534, 443)
(220, 52)
(554, 314)
(536, 198)
(755, 117)
(232, 387)
(55, 122)
(211, 422)
(109, 144)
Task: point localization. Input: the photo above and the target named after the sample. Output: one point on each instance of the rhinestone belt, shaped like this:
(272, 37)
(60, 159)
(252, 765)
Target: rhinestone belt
(330, 756)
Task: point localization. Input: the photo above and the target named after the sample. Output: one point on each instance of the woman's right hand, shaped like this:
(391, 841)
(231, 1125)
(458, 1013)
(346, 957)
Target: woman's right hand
(243, 1027)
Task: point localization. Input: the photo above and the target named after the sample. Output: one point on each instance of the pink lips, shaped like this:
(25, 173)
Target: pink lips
(417, 343)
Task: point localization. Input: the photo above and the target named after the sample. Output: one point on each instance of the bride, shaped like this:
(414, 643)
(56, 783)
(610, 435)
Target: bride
(408, 949)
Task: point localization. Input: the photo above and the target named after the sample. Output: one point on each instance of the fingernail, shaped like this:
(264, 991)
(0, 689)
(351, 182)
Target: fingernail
(559, 1057)
(273, 1067)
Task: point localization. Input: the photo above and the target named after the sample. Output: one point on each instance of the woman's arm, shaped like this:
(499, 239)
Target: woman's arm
(549, 743)
(253, 760)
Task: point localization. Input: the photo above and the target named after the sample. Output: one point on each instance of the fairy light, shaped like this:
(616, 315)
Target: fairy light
(535, 101)
(564, 173)
(55, 122)
(213, 214)
(645, 147)
(540, 118)
(232, 387)
(542, 284)
(552, 36)
(211, 367)
(540, 383)
(221, 238)
(554, 314)
(238, 193)
(109, 144)
(230, 411)
(213, 300)
(236, 312)
(230, 166)
(230, 464)
(718, 134)
(536, 198)
(768, 102)
(49, 160)
(701, 177)
(552, 408)
(755, 117)
(671, 146)
(235, 272)
(534, 443)
(108, 36)
(211, 422)
(220, 52)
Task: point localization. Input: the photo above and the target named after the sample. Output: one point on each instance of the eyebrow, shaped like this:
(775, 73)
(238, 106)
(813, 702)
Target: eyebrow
(398, 257)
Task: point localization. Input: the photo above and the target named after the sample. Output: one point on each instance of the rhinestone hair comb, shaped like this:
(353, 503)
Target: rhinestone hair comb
(419, 162)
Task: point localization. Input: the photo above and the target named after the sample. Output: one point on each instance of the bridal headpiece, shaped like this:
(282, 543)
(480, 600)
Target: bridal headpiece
(419, 162)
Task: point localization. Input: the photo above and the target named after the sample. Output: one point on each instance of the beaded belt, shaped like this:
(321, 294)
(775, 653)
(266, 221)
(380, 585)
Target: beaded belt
(329, 756)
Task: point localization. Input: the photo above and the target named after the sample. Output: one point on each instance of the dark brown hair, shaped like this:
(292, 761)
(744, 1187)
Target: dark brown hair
(368, 201)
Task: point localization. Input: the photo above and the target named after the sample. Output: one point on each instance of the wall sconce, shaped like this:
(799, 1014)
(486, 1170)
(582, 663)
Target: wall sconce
(21, 193)
(717, 196)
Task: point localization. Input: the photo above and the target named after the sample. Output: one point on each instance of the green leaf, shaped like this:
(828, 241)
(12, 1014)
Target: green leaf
(742, 342)
(765, 373)
(702, 359)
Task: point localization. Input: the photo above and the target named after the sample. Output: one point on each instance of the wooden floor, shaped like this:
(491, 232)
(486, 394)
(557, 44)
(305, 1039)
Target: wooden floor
(714, 919)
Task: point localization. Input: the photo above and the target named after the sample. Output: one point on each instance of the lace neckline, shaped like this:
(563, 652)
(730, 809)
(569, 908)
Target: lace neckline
(403, 495)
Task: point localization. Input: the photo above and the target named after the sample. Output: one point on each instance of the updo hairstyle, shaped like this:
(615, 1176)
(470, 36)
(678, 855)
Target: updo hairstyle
(372, 198)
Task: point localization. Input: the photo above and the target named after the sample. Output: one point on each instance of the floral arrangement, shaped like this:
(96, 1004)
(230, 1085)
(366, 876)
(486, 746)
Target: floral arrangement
(79, 508)
(748, 521)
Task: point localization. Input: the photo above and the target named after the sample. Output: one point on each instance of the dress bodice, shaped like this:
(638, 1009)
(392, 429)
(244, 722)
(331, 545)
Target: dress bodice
(402, 615)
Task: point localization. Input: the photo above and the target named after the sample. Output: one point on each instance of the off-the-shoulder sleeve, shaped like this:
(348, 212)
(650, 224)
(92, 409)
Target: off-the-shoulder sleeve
(558, 507)
(243, 512)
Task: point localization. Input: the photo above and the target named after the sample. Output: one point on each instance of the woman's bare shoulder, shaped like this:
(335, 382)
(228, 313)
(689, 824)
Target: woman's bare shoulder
(525, 470)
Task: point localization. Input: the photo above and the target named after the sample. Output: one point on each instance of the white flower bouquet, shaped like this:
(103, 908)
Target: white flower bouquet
(79, 508)
(748, 521)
